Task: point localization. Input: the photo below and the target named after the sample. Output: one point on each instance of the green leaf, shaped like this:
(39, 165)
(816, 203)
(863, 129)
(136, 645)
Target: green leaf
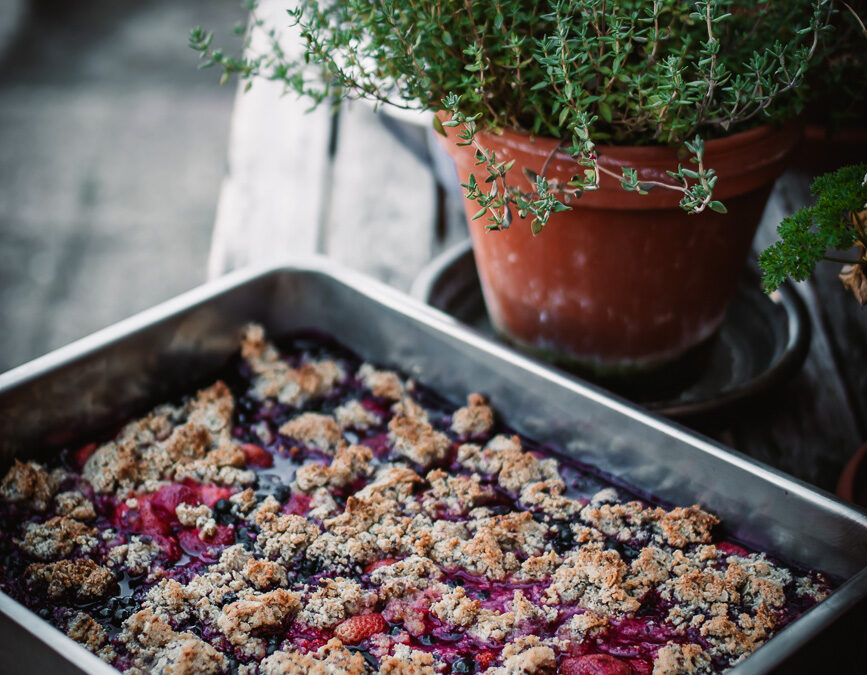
(482, 211)
(718, 207)
(438, 126)
(605, 111)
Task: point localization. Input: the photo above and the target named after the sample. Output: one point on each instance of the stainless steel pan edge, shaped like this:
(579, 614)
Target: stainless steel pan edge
(773, 653)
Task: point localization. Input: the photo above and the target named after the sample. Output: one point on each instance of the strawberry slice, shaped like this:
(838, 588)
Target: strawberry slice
(211, 494)
(298, 504)
(358, 628)
(207, 550)
(166, 499)
(256, 455)
(728, 548)
(376, 564)
(152, 520)
(485, 658)
(84, 453)
(594, 664)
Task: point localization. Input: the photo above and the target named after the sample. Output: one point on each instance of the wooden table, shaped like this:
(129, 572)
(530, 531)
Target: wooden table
(359, 187)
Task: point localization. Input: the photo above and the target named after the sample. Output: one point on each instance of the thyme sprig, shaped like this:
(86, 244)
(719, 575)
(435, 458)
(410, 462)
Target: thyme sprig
(587, 72)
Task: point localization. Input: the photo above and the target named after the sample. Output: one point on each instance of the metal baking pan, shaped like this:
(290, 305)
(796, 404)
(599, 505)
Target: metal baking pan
(120, 371)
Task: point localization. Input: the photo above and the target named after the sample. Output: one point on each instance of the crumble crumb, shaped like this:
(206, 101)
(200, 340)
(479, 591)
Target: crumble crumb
(262, 574)
(539, 567)
(514, 531)
(815, 589)
(135, 556)
(525, 656)
(391, 482)
(455, 495)
(189, 515)
(274, 378)
(583, 626)
(406, 576)
(408, 661)
(57, 537)
(547, 497)
(475, 419)
(285, 535)
(353, 415)
(157, 648)
(417, 440)
(681, 659)
(683, 526)
(75, 505)
(592, 578)
(82, 579)
(493, 626)
(456, 609)
(242, 618)
(313, 430)
(330, 659)
(335, 600)
(489, 461)
(29, 482)
(84, 630)
(350, 463)
(244, 500)
(382, 383)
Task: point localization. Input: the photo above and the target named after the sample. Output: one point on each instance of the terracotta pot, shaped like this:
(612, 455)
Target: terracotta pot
(622, 282)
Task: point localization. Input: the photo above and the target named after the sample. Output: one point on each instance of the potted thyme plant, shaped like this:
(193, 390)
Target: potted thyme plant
(616, 156)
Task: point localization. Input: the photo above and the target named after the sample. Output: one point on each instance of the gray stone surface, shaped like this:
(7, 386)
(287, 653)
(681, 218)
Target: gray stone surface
(112, 150)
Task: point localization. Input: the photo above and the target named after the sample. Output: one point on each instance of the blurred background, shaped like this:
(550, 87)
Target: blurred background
(112, 149)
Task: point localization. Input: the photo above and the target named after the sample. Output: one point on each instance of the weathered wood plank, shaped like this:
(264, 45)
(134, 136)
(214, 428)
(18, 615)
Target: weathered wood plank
(806, 427)
(382, 208)
(272, 199)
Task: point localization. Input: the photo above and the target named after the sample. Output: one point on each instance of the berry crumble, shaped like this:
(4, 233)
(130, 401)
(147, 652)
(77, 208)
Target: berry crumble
(312, 513)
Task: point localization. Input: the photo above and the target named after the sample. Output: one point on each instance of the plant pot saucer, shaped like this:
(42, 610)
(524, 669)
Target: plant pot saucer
(763, 340)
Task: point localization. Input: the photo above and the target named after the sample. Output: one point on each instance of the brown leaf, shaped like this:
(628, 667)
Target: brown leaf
(855, 280)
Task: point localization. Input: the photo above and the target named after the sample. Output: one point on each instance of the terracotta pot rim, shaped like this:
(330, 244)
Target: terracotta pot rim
(660, 152)
(744, 161)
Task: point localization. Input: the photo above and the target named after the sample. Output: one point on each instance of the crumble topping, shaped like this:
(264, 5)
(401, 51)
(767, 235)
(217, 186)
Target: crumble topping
(82, 579)
(382, 383)
(157, 648)
(408, 661)
(255, 613)
(417, 440)
(329, 659)
(30, 482)
(475, 419)
(276, 379)
(135, 556)
(350, 463)
(316, 431)
(306, 521)
(353, 415)
(333, 601)
(586, 625)
(680, 659)
(525, 656)
(85, 630)
(75, 505)
(57, 537)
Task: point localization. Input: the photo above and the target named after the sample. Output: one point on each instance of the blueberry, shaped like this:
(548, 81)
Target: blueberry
(426, 640)
(564, 538)
(222, 506)
(464, 664)
(282, 493)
